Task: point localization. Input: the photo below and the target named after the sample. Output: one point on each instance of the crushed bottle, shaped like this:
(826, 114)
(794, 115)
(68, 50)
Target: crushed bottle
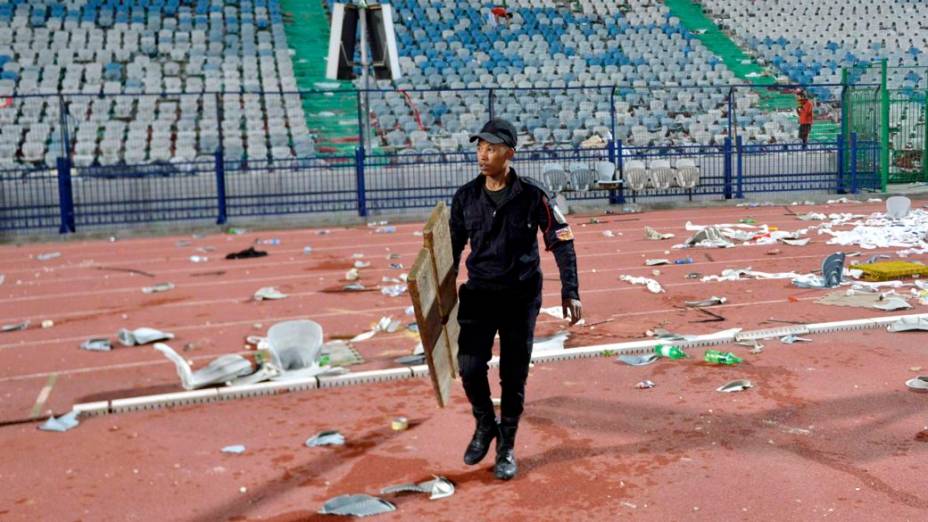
(717, 357)
(670, 352)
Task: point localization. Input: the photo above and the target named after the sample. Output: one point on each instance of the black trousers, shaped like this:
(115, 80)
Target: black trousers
(481, 314)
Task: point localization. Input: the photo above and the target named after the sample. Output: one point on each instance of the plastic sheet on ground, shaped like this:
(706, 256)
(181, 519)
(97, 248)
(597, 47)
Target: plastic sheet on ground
(438, 487)
(97, 344)
(326, 438)
(269, 293)
(552, 343)
(141, 336)
(735, 386)
(15, 327)
(654, 235)
(356, 505)
(639, 360)
(64, 423)
(879, 230)
(223, 369)
(907, 324)
(736, 274)
(652, 285)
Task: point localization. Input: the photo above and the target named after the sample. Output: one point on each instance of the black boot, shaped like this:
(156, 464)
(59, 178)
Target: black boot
(487, 429)
(505, 457)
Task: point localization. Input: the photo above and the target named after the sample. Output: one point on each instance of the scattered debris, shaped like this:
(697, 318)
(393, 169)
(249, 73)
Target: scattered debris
(795, 242)
(397, 266)
(354, 287)
(551, 343)
(128, 270)
(906, 324)
(356, 505)
(437, 488)
(774, 252)
(326, 438)
(399, 424)
(892, 303)
(61, 424)
(644, 385)
(656, 262)
(271, 241)
(48, 323)
(307, 250)
(210, 273)
(684, 261)
(142, 335)
(713, 317)
(352, 275)
(918, 384)
(897, 207)
(235, 231)
(708, 237)
(790, 339)
(339, 353)
(269, 293)
(654, 235)
(97, 344)
(48, 256)
(735, 386)
(712, 301)
(717, 357)
(199, 259)
(639, 360)
(223, 369)
(236, 449)
(755, 346)
(832, 272)
(158, 288)
(2, 278)
(248, 253)
(812, 216)
(361, 264)
(385, 230)
(652, 285)
(393, 291)
(608, 233)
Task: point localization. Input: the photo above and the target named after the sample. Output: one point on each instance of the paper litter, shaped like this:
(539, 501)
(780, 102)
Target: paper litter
(652, 285)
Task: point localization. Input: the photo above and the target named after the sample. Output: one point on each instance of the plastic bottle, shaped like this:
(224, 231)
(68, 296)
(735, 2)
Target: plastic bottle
(717, 357)
(671, 352)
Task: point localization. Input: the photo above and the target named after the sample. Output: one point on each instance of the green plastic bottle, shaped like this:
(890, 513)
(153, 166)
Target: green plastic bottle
(717, 357)
(670, 352)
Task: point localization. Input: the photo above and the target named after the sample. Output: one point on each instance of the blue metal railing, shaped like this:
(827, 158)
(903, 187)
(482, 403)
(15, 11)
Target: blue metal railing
(71, 197)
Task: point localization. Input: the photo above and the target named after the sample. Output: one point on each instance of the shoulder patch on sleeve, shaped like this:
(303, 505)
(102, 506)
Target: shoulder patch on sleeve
(564, 234)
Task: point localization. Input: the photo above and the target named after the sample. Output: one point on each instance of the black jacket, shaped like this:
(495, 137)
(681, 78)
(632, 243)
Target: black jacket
(504, 241)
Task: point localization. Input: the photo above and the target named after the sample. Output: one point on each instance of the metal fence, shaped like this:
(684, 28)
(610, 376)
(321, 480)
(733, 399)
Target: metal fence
(71, 197)
(213, 157)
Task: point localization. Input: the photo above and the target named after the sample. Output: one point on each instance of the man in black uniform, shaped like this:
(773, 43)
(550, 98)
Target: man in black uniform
(501, 213)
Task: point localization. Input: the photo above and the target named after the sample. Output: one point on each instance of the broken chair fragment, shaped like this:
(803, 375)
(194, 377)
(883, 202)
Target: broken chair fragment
(356, 505)
(142, 335)
(438, 487)
(326, 438)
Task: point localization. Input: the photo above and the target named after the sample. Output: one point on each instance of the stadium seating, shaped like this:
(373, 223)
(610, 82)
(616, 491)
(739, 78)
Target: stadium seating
(810, 42)
(457, 46)
(180, 48)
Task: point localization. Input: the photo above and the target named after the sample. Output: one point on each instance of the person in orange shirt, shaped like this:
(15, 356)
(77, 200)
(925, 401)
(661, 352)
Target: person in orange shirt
(804, 110)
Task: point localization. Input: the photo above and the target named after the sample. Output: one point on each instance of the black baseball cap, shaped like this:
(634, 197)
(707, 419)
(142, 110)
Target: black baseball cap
(497, 130)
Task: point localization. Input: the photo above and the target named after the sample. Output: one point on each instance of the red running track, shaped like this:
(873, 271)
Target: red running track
(829, 430)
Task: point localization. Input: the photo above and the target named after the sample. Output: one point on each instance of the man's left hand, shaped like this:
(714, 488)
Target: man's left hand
(574, 308)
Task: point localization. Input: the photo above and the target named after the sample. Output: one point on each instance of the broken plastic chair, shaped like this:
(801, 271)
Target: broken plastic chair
(295, 345)
(142, 336)
(356, 505)
(735, 386)
(326, 438)
(15, 327)
(832, 274)
(897, 207)
(97, 344)
(438, 487)
(63, 423)
(918, 384)
(639, 360)
(654, 235)
(906, 324)
(223, 369)
(269, 293)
